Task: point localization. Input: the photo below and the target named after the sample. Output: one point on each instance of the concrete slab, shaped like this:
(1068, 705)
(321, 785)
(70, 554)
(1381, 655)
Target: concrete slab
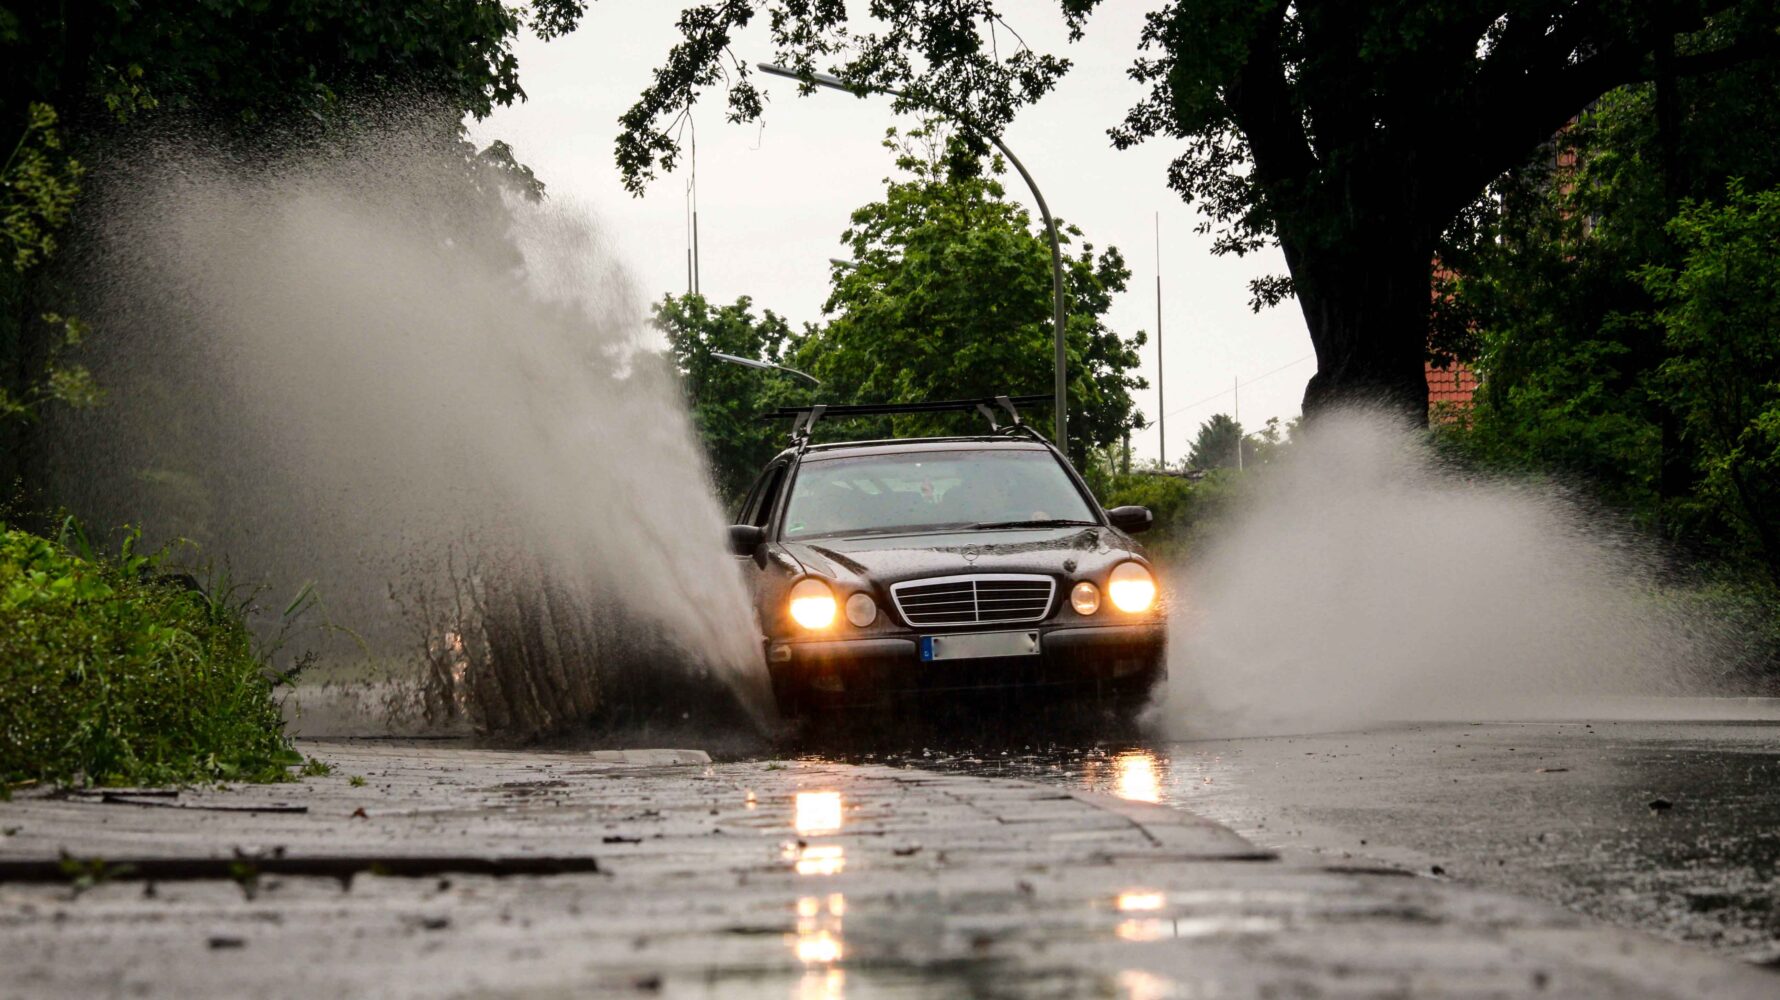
(759, 879)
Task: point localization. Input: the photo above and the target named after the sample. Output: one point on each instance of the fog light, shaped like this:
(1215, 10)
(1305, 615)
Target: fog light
(812, 604)
(861, 610)
(1085, 598)
(1131, 587)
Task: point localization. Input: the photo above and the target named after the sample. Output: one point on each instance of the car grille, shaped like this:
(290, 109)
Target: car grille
(974, 600)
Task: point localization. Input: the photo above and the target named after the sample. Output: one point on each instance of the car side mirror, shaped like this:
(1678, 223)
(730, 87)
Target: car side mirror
(745, 538)
(1131, 519)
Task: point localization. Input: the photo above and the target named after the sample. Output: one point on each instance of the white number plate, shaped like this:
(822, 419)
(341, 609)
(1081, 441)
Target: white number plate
(978, 645)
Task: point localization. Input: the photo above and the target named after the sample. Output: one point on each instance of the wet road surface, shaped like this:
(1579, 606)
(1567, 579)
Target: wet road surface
(1669, 827)
(437, 868)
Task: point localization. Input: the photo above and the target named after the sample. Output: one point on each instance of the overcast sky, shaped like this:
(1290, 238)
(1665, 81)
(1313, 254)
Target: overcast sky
(774, 198)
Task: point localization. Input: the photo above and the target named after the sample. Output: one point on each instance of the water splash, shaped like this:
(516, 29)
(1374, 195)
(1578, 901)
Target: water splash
(438, 400)
(1363, 581)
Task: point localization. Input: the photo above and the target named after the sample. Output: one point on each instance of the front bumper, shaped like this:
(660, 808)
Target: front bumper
(848, 670)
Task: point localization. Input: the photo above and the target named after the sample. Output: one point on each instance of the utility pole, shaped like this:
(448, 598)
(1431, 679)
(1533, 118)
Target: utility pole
(1236, 411)
(693, 189)
(1161, 397)
(688, 221)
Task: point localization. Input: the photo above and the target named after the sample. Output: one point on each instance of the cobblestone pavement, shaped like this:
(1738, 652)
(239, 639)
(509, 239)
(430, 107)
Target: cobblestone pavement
(741, 880)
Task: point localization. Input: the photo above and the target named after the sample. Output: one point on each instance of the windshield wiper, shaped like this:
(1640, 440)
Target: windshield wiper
(1049, 522)
(892, 529)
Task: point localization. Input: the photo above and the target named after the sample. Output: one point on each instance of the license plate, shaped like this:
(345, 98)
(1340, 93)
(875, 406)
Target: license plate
(978, 645)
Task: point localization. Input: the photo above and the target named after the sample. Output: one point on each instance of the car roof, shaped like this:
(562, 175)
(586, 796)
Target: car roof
(851, 449)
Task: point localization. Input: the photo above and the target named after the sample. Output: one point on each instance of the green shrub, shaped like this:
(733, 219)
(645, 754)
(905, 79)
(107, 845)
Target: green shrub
(1186, 511)
(115, 673)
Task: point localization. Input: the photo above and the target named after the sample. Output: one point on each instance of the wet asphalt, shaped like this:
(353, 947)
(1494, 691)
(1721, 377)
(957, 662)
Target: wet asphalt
(1668, 827)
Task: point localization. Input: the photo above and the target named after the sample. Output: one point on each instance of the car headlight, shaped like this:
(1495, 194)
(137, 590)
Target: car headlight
(1131, 587)
(1085, 598)
(861, 610)
(812, 604)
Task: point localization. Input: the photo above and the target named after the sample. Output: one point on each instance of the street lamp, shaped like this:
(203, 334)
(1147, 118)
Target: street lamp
(767, 365)
(1058, 317)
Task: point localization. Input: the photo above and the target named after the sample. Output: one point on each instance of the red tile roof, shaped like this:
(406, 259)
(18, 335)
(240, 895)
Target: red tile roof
(1451, 389)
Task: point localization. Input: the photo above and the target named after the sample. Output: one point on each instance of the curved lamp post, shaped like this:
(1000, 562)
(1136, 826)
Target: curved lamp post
(1058, 317)
(767, 365)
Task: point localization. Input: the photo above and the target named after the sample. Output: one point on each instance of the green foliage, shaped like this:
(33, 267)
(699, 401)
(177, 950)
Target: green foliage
(38, 185)
(258, 73)
(1187, 512)
(948, 295)
(727, 399)
(1583, 293)
(1720, 312)
(1353, 134)
(61, 380)
(1214, 446)
(960, 71)
(257, 61)
(111, 672)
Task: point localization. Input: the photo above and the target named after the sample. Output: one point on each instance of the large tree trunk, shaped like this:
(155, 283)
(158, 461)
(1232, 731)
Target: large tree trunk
(1367, 308)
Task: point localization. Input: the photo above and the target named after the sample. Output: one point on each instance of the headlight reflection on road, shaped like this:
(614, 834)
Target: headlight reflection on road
(817, 813)
(828, 985)
(1140, 985)
(1140, 900)
(1138, 779)
(1157, 928)
(818, 945)
(817, 859)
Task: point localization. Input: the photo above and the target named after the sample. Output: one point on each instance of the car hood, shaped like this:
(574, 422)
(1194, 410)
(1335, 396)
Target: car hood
(880, 560)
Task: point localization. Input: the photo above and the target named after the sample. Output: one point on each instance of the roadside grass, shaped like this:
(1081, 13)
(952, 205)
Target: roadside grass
(116, 672)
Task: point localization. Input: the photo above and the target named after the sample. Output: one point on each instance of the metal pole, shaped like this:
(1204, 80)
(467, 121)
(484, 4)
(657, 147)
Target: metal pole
(1236, 408)
(688, 234)
(1161, 397)
(1059, 317)
(696, 288)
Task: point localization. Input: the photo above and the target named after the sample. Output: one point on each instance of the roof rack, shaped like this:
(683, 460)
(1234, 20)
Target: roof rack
(805, 417)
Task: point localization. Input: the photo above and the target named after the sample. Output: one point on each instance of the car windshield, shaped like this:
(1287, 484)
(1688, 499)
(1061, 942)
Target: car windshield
(908, 491)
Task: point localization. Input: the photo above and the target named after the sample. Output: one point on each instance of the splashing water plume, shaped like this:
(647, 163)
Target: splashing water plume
(1364, 582)
(373, 369)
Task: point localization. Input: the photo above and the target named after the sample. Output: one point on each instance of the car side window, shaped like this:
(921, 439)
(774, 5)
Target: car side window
(769, 494)
(759, 504)
(744, 514)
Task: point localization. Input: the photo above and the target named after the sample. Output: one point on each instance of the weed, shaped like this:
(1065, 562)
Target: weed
(85, 873)
(245, 874)
(113, 672)
(358, 781)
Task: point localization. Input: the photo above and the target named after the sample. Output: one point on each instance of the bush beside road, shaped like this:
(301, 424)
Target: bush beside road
(111, 674)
